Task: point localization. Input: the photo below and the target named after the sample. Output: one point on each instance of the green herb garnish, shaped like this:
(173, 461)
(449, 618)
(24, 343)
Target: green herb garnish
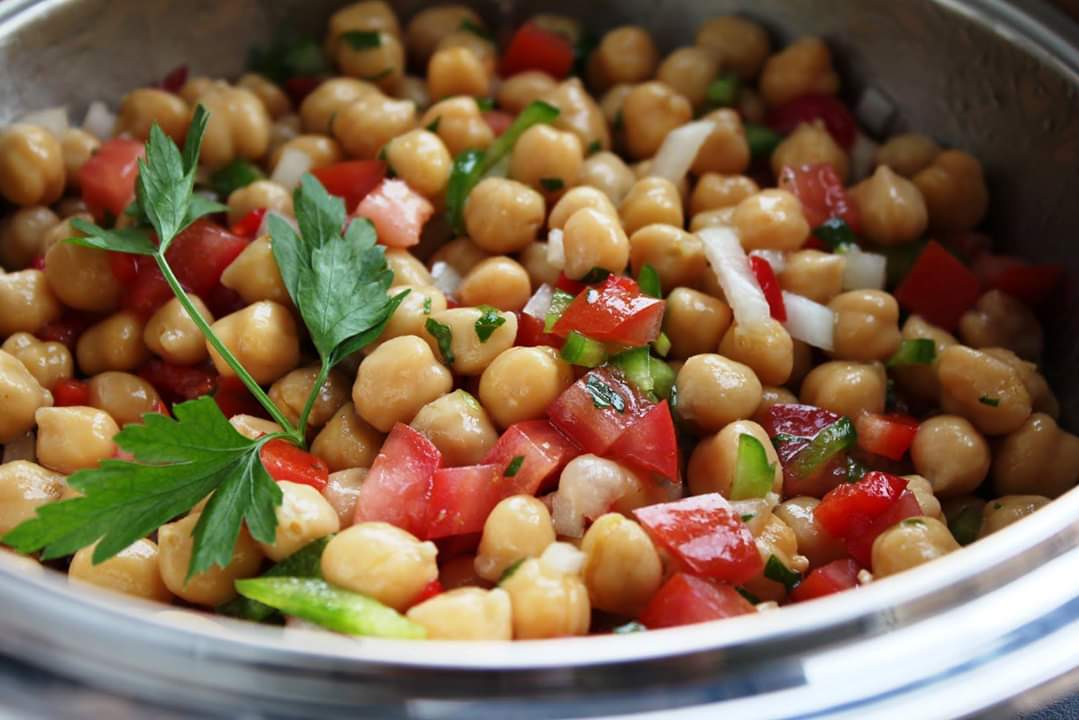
(515, 466)
(432, 127)
(552, 184)
(485, 104)
(835, 233)
(649, 281)
(490, 319)
(593, 147)
(511, 569)
(289, 57)
(919, 351)
(775, 570)
(603, 395)
(989, 400)
(443, 336)
(761, 140)
(724, 90)
(427, 305)
(477, 30)
(237, 174)
(362, 39)
(753, 599)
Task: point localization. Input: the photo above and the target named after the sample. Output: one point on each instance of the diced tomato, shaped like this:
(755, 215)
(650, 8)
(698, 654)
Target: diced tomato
(224, 301)
(125, 267)
(398, 486)
(175, 79)
(351, 180)
(68, 392)
(582, 413)
(149, 291)
(429, 591)
(821, 193)
(533, 48)
(860, 540)
(462, 498)
(498, 121)
(37, 263)
(249, 224)
(301, 86)
(834, 577)
(67, 329)
(107, 179)
(543, 450)
(233, 398)
(705, 535)
(888, 435)
(1029, 283)
(530, 332)
(938, 287)
(837, 118)
(177, 383)
(686, 599)
(766, 278)
(286, 462)
(851, 507)
(565, 284)
(200, 254)
(968, 246)
(398, 213)
(792, 427)
(650, 444)
(615, 312)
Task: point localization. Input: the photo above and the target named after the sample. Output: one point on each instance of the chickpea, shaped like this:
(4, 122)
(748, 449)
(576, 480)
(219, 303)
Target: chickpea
(766, 348)
(74, 438)
(751, 106)
(714, 391)
(1041, 395)
(576, 199)
(503, 216)
(771, 220)
(579, 114)
(954, 191)
(193, 89)
(892, 209)
(71, 206)
(260, 194)
(342, 492)
(516, 92)
(410, 87)
(466, 613)
(712, 465)
(31, 166)
(984, 389)
(910, 543)
(907, 154)
(214, 586)
(689, 71)
(813, 274)
(421, 159)
(499, 282)
(457, 71)
(411, 315)
(547, 600)
(125, 397)
(291, 391)
(24, 487)
(22, 396)
(866, 325)
(650, 111)
(48, 362)
(239, 126)
(775, 538)
(736, 43)
(518, 527)
(381, 561)
(143, 107)
(1039, 458)
(715, 192)
(26, 303)
(622, 568)
(625, 55)
(458, 122)
(611, 105)
(461, 254)
(81, 277)
(1006, 510)
(369, 122)
(772, 396)
(951, 455)
(921, 381)
(263, 337)
(459, 427)
(252, 427)
(171, 333)
(606, 172)
(471, 355)
(318, 109)
(810, 144)
(273, 98)
(396, 380)
(302, 517)
(676, 255)
(22, 236)
(522, 382)
(802, 68)
(429, 26)
(319, 149)
(813, 541)
(592, 239)
(847, 388)
(546, 159)
(534, 258)
(366, 16)
(346, 441)
(406, 268)
(803, 363)
(77, 146)
(726, 150)
(999, 320)
(711, 218)
(284, 129)
(651, 201)
(132, 571)
(115, 343)
(382, 64)
(254, 275)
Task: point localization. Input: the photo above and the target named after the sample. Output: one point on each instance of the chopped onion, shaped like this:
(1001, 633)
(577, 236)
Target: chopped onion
(556, 249)
(264, 226)
(445, 277)
(99, 120)
(809, 321)
(679, 150)
(587, 488)
(53, 119)
(863, 157)
(864, 271)
(564, 558)
(290, 168)
(875, 111)
(724, 252)
(776, 258)
(21, 448)
(540, 302)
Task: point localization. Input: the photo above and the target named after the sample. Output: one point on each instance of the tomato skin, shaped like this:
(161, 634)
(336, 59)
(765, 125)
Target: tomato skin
(888, 435)
(860, 540)
(530, 332)
(200, 254)
(107, 179)
(533, 48)
(124, 267)
(838, 120)
(1029, 283)
(650, 444)
(565, 284)
(429, 591)
(498, 121)
(175, 79)
(850, 507)
(233, 398)
(595, 429)
(398, 213)
(68, 392)
(800, 424)
(247, 226)
(766, 278)
(821, 193)
(705, 535)
(68, 328)
(398, 486)
(351, 180)
(545, 451)
(834, 577)
(462, 498)
(615, 312)
(686, 599)
(177, 383)
(286, 462)
(938, 287)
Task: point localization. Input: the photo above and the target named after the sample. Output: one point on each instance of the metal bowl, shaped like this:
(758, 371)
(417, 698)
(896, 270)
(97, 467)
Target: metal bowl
(991, 629)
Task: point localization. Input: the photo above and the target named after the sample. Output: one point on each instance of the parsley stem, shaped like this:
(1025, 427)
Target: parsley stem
(316, 389)
(223, 351)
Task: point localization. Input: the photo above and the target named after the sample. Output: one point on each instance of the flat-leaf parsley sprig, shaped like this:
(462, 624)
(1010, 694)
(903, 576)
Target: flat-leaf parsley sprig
(338, 279)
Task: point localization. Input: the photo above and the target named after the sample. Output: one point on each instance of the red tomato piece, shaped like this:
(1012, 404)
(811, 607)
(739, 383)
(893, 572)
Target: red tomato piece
(429, 591)
(543, 450)
(107, 179)
(1023, 281)
(200, 254)
(177, 383)
(233, 398)
(792, 427)
(125, 267)
(860, 540)
(530, 332)
(175, 79)
(149, 291)
(398, 213)
(351, 180)
(851, 507)
(498, 121)
(969, 246)
(834, 577)
(68, 392)
(650, 444)
(596, 429)
(766, 278)
(462, 498)
(888, 435)
(567, 285)
(38, 263)
(398, 486)
(249, 224)
(685, 599)
(300, 87)
(616, 312)
(224, 301)
(68, 328)
(938, 287)
(838, 120)
(533, 48)
(821, 193)
(705, 535)
(286, 462)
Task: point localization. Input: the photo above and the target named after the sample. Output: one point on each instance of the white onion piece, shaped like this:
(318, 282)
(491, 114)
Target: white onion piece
(556, 249)
(21, 448)
(863, 157)
(588, 487)
(445, 277)
(290, 168)
(864, 271)
(264, 226)
(776, 258)
(563, 558)
(52, 119)
(99, 120)
(875, 111)
(724, 252)
(809, 321)
(679, 149)
(540, 302)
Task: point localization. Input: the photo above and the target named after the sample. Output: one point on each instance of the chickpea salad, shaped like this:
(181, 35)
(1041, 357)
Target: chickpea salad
(424, 331)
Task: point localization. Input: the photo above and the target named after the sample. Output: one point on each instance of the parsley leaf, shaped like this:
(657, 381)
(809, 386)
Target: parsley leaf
(441, 332)
(775, 570)
(490, 320)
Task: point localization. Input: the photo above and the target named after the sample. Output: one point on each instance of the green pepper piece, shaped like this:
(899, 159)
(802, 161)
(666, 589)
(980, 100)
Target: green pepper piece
(753, 474)
(305, 562)
(830, 441)
(583, 351)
